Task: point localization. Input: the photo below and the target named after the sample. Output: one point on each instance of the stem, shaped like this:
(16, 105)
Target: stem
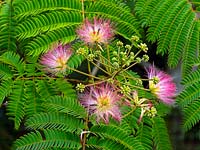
(86, 74)
(97, 66)
(104, 63)
(129, 113)
(129, 66)
(85, 134)
(95, 83)
(89, 67)
(121, 70)
(83, 11)
(130, 77)
(108, 53)
(134, 86)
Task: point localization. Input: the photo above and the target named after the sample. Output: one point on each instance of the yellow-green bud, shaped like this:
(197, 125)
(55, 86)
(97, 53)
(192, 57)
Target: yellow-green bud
(145, 58)
(138, 82)
(143, 47)
(132, 58)
(152, 112)
(98, 52)
(127, 62)
(138, 60)
(80, 87)
(91, 57)
(116, 65)
(125, 89)
(155, 80)
(135, 38)
(120, 44)
(115, 53)
(128, 47)
(132, 54)
(81, 51)
(111, 80)
(114, 59)
(123, 53)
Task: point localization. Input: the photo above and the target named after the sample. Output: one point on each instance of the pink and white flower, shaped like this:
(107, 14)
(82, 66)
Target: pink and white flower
(98, 32)
(164, 88)
(54, 61)
(101, 100)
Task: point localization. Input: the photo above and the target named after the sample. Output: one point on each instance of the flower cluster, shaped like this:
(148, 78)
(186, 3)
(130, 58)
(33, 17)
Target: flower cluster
(161, 84)
(104, 99)
(101, 100)
(98, 32)
(54, 61)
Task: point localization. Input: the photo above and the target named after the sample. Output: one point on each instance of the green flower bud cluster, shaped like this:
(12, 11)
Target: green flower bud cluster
(135, 38)
(120, 44)
(138, 60)
(139, 82)
(155, 80)
(116, 65)
(128, 47)
(91, 57)
(123, 56)
(80, 87)
(151, 112)
(125, 89)
(110, 80)
(145, 58)
(82, 51)
(97, 53)
(143, 47)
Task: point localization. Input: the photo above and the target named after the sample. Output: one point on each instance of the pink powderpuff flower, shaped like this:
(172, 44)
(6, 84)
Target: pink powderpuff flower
(54, 61)
(101, 100)
(164, 88)
(98, 32)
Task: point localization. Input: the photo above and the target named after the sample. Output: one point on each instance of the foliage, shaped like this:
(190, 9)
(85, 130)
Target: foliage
(48, 104)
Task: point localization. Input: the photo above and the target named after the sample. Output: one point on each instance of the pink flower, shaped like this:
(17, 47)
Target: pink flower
(164, 88)
(55, 60)
(98, 32)
(101, 100)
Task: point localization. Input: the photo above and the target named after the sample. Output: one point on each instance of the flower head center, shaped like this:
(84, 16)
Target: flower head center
(61, 63)
(153, 87)
(103, 102)
(95, 36)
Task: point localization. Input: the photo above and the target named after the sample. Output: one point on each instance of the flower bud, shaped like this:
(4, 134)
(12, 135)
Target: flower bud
(81, 51)
(91, 57)
(145, 58)
(80, 87)
(128, 47)
(143, 47)
(138, 60)
(116, 65)
(120, 44)
(115, 53)
(135, 38)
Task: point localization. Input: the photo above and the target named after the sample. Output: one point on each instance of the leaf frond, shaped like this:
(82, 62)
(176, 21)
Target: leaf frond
(126, 23)
(118, 135)
(54, 120)
(7, 28)
(52, 138)
(14, 60)
(161, 135)
(16, 102)
(65, 105)
(5, 89)
(189, 94)
(191, 115)
(37, 6)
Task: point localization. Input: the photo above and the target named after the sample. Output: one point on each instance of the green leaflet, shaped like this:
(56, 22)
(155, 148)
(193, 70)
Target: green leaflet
(52, 138)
